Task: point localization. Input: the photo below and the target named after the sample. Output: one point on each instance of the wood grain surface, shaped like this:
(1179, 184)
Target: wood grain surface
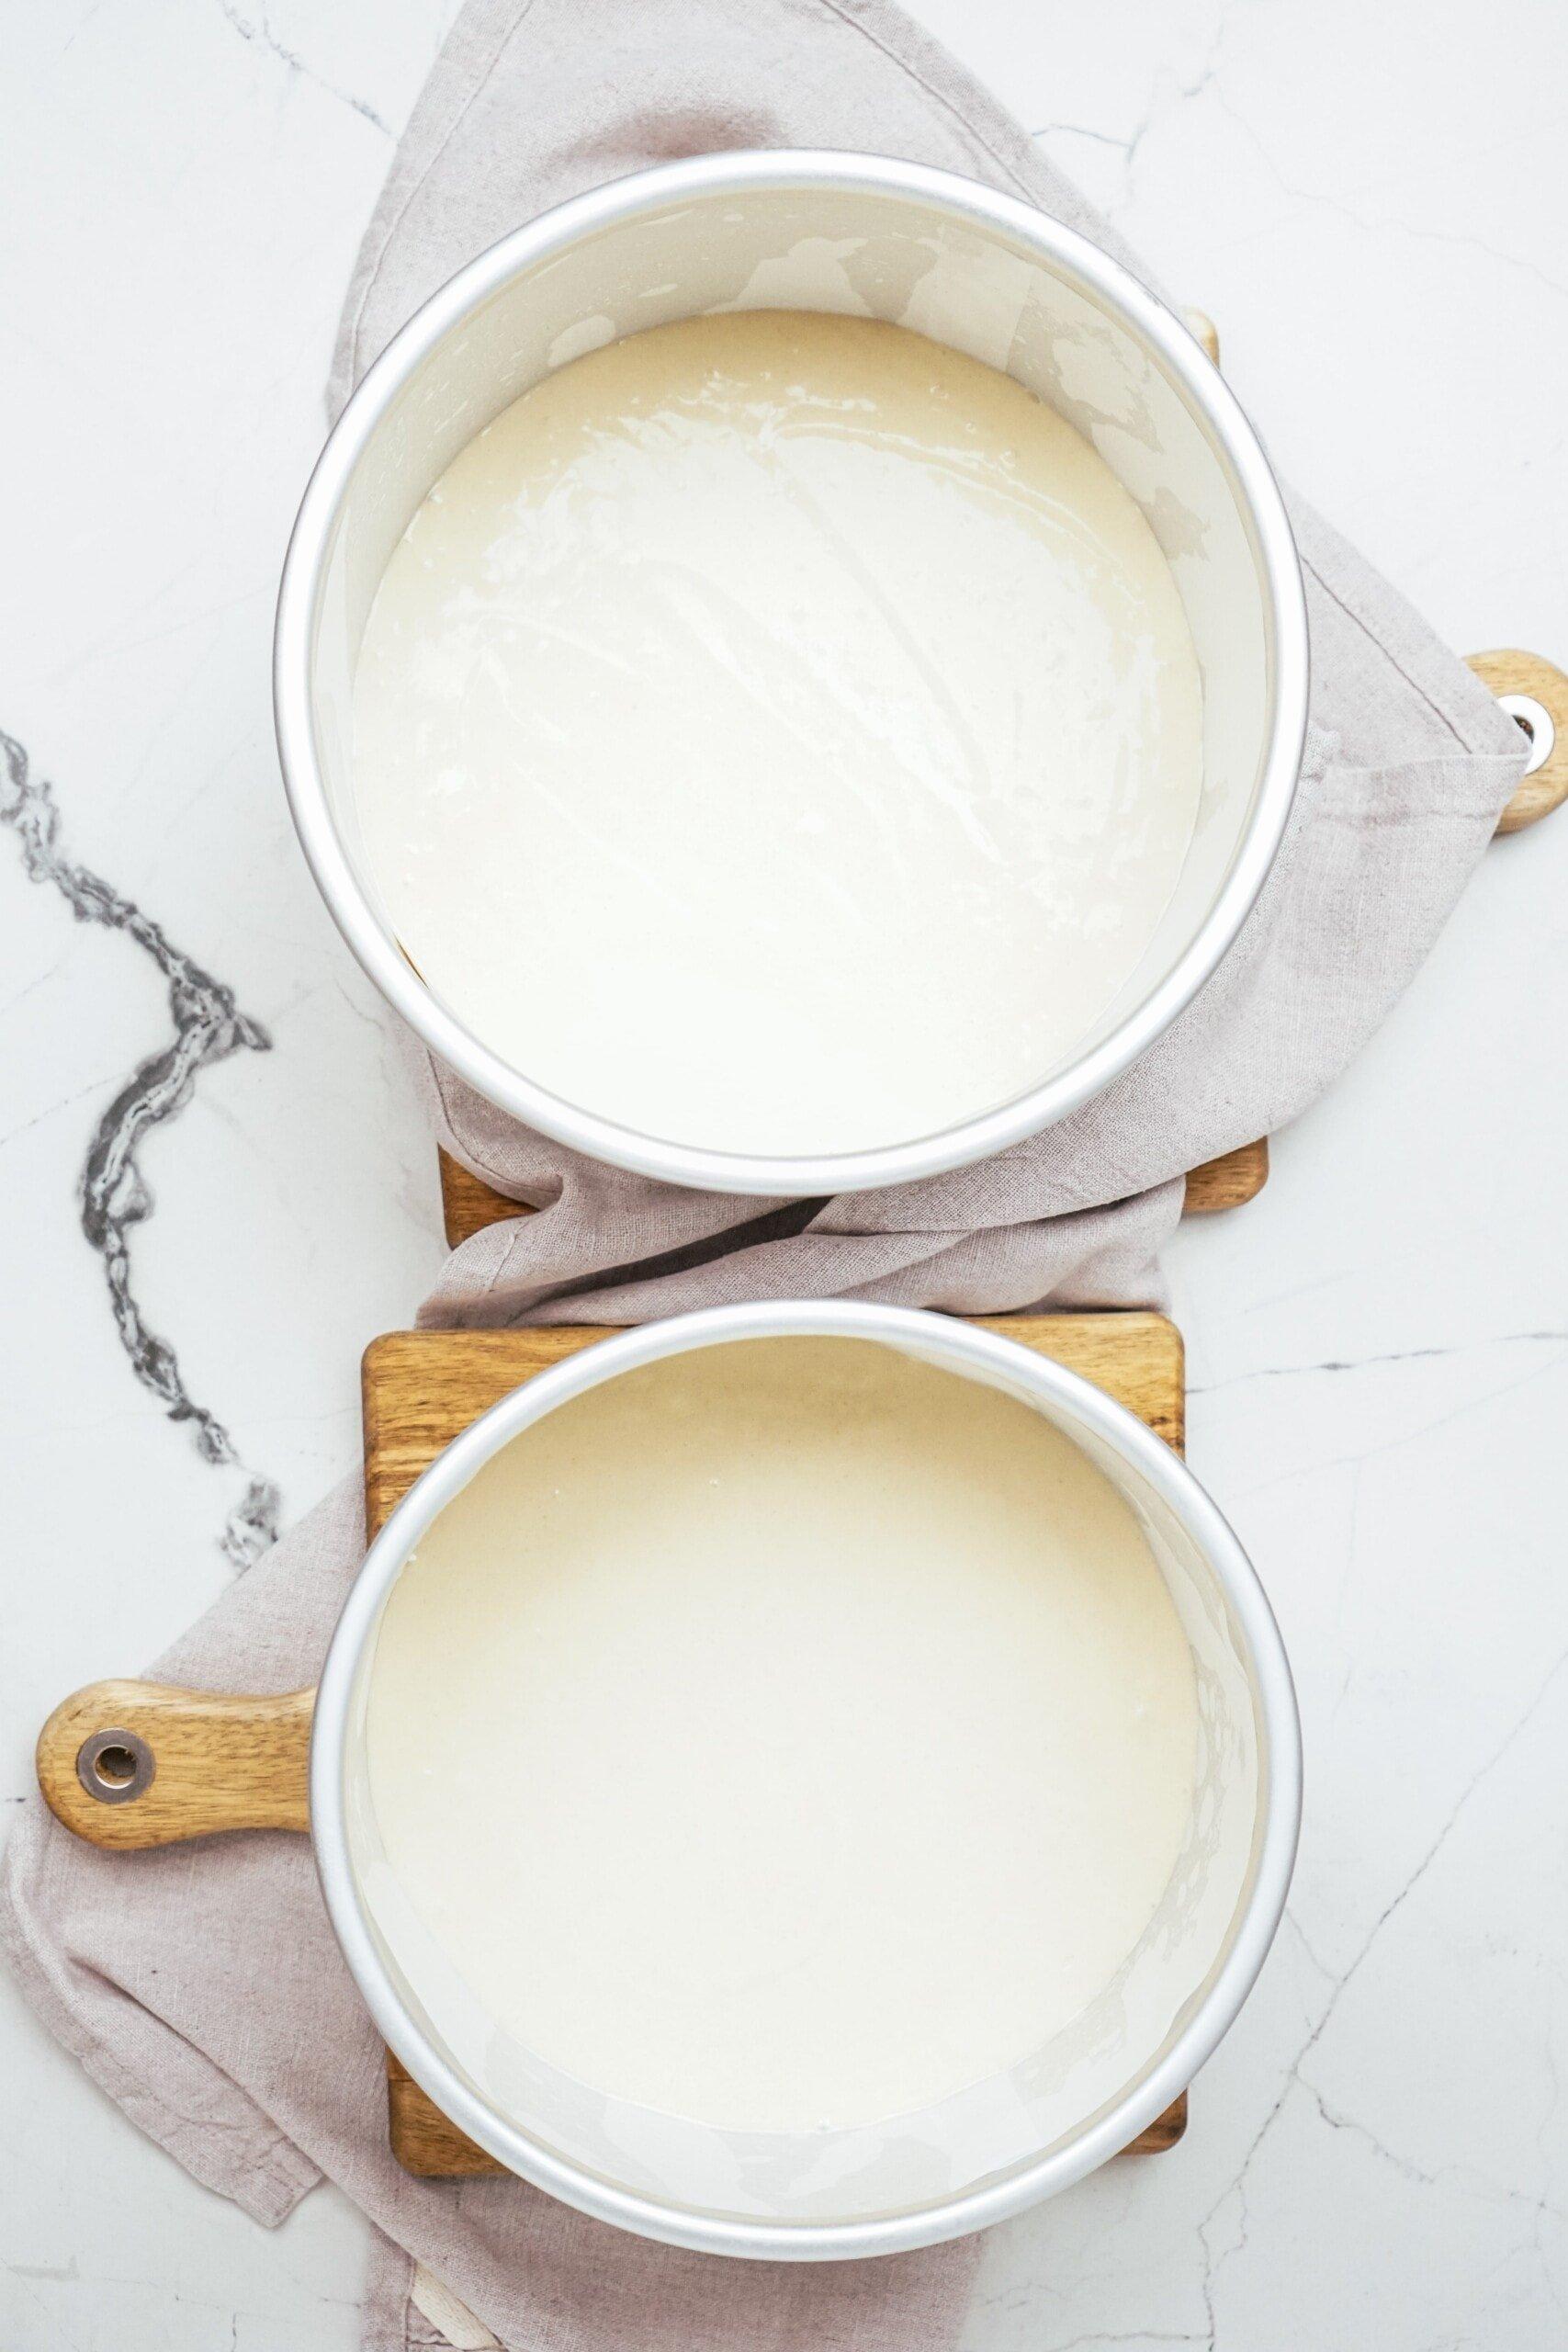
(421, 1388)
(218, 1763)
(1229, 1181)
(1200, 326)
(1510, 672)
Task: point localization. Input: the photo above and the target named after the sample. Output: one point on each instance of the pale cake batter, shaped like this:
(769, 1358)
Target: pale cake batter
(778, 733)
(783, 1735)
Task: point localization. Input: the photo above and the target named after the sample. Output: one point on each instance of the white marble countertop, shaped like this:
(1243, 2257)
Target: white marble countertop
(1371, 201)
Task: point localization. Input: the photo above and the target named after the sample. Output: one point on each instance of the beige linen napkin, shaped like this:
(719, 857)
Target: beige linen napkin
(201, 1986)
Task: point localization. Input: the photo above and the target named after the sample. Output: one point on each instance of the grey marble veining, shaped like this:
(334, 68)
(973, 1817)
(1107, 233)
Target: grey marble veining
(114, 1194)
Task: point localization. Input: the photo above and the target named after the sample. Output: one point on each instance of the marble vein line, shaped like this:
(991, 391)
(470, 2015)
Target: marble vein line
(114, 1196)
(1549, 1337)
(1294, 2076)
(260, 32)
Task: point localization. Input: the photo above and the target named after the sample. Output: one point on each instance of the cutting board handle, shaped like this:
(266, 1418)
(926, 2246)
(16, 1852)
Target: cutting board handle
(1535, 693)
(128, 1764)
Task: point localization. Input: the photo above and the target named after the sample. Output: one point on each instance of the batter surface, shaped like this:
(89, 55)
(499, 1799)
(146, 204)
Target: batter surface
(783, 1735)
(778, 733)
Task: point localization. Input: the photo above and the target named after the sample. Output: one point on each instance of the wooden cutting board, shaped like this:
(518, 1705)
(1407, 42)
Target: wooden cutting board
(420, 1389)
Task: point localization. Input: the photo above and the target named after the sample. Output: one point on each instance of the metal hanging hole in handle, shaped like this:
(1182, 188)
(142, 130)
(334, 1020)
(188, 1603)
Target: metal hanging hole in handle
(1534, 719)
(116, 1765)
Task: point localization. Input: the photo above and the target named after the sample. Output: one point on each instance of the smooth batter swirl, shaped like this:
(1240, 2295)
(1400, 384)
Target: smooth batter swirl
(780, 733)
